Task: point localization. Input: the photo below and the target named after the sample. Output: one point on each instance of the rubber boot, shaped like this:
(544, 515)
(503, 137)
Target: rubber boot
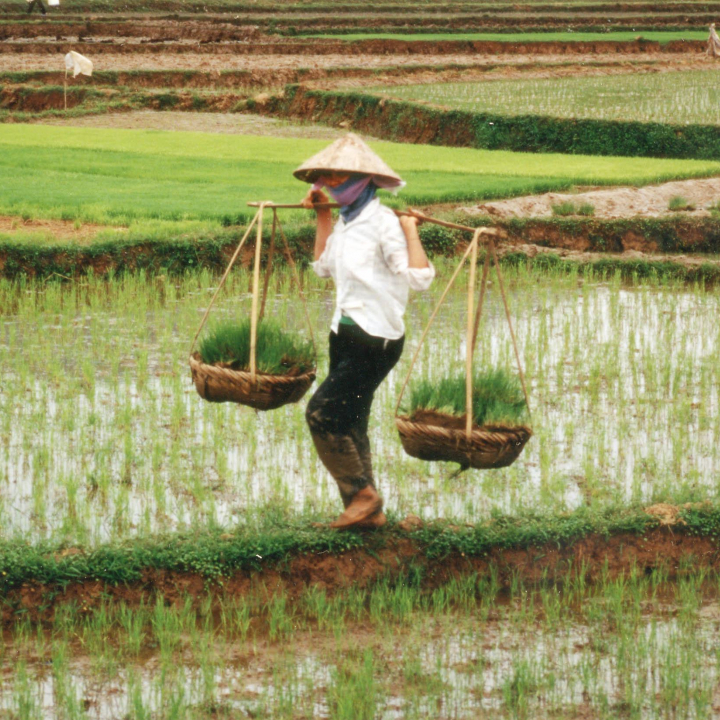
(365, 504)
(362, 444)
(348, 466)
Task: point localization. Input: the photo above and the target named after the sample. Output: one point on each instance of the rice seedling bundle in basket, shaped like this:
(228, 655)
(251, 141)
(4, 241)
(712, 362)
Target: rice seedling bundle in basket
(477, 420)
(254, 362)
(435, 427)
(285, 366)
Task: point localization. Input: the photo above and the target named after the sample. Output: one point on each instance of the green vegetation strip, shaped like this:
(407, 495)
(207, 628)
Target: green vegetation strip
(273, 540)
(115, 176)
(400, 120)
(514, 37)
(169, 250)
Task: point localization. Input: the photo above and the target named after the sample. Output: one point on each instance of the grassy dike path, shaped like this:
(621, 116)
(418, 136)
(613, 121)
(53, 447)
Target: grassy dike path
(174, 252)
(292, 553)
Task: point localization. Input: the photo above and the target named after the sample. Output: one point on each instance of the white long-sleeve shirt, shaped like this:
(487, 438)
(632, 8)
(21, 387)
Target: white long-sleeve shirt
(368, 260)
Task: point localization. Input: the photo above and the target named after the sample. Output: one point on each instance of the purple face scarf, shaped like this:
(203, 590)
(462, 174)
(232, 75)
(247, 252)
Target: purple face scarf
(353, 195)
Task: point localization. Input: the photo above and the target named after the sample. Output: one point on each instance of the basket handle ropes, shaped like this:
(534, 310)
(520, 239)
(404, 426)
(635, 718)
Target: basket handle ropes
(268, 269)
(491, 248)
(481, 300)
(255, 291)
(224, 278)
(430, 322)
(469, 345)
(296, 277)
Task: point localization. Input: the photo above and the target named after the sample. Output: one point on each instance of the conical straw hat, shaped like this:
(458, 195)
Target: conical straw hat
(349, 154)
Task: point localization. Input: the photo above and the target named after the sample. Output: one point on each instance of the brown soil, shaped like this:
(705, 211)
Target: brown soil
(224, 123)
(193, 58)
(612, 203)
(397, 74)
(56, 229)
(418, 48)
(570, 251)
(438, 419)
(666, 547)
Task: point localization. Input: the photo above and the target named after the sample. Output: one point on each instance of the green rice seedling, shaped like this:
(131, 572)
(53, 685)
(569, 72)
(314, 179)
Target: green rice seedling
(23, 696)
(678, 203)
(277, 351)
(133, 622)
(681, 97)
(354, 693)
(497, 398)
(280, 618)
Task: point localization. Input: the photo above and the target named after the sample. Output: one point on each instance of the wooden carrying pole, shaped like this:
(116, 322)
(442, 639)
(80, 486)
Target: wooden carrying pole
(399, 213)
(258, 312)
(473, 315)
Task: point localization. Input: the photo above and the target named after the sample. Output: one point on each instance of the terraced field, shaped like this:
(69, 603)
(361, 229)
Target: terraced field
(164, 557)
(680, 98)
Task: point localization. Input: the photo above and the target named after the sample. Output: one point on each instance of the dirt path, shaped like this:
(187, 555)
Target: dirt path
(612, 203)
(11, 62)
(224, 123)
(53, 229)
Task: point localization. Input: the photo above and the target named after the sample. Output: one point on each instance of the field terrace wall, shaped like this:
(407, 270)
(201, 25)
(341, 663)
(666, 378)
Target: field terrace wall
(185, 8)
(36, 578)
(358, 47)
(247, 25)
(597, 239)
(25, 103)
(416, 123)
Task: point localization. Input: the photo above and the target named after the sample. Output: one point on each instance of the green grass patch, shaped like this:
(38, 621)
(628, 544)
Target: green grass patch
(112, 176)
(277, 352)
(515, 37)
(568, 207)
(270, 538)
(497, 398)
(678, 202)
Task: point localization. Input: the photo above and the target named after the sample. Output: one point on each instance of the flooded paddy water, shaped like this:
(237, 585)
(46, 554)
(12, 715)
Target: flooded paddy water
(104, 437)
(632, 647)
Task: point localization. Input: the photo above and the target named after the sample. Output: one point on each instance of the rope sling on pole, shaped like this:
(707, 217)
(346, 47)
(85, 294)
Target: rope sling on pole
(262, 391)
(487, 446)
(470, 445)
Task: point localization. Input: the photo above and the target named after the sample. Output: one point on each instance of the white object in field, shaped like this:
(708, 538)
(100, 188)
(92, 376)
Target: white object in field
(54, 3)
(713, 43)
(78, 64)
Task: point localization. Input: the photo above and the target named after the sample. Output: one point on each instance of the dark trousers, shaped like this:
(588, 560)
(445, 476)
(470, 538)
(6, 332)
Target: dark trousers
(32, 4)
(339, 411)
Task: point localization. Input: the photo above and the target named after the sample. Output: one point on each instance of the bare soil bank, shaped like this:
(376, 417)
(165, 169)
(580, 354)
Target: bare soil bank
(259, 75)
(666, 547)
(358, 47)
(612, 203)
(263, 64)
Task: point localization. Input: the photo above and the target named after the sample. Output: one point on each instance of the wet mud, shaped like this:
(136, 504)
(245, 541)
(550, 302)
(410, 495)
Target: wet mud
(666, 548)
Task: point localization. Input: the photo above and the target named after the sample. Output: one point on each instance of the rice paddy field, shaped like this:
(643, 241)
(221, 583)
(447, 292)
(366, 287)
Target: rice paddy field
(104, 438)
(163, 557)
(104, 419)
(679, 98)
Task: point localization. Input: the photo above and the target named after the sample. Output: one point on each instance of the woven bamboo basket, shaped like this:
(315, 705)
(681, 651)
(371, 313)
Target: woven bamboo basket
(431, 435)
(262, 391)
(216, 383)
(489, 446)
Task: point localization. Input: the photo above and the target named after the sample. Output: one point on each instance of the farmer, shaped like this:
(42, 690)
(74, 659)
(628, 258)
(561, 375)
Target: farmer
(31, 4)
(713, 42)
(374, 259)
